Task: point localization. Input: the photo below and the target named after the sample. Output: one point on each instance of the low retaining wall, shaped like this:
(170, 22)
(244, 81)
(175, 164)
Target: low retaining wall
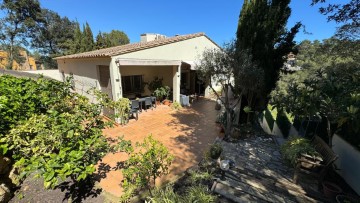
(348, 162)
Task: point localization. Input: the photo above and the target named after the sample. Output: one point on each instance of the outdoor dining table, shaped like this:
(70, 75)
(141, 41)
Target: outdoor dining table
(142, 100)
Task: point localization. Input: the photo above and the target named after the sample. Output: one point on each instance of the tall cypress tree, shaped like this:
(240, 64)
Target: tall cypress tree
(100, 41)
(262, 31)
(87, 42)
(76, 45)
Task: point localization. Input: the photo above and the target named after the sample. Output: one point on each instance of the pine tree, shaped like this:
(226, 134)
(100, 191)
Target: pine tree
(262, 31)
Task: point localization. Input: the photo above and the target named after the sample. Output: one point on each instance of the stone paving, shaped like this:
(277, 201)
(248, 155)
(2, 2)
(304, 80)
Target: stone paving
(260, 175)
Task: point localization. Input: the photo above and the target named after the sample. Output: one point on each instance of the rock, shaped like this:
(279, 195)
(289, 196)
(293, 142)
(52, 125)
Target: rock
(5, 164)
(276, 153)
(5, 193)
(14, 176)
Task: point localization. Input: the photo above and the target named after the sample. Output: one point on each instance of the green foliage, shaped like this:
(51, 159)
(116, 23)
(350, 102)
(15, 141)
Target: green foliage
(155, 84)
(114, 38)
(76, 43)
(199, 176)
(151, 161)
(122, 106)
(217, 67)
(262, 31)
(87, 40)
(162, 92)
(176, 106)
(48, 129)
(215, 151)
(53, 37)
(199, 194)
(18, 20)
(347, 14)
(294, 147)
(326, 88)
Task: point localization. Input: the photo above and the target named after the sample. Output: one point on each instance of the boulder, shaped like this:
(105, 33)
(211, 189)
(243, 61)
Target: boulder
(5, 194)
(14, 176)
(5, 165)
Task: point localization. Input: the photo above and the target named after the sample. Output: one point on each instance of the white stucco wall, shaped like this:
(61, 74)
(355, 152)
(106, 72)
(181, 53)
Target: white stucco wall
(187, 50)
(85, 73)
(54, 74)
(348, 162)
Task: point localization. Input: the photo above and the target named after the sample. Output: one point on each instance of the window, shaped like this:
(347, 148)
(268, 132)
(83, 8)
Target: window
(132, 84)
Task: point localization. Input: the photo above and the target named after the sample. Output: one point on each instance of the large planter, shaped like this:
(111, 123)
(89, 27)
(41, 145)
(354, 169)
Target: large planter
(310, 162)
(331, 190)
(166, 102)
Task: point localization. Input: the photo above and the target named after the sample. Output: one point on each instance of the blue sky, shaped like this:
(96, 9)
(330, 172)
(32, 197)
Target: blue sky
(218, 19)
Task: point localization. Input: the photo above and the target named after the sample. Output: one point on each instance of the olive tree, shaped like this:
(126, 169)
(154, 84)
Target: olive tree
(216, 68)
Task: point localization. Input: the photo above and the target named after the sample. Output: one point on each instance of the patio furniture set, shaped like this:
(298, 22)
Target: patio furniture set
(139, 104)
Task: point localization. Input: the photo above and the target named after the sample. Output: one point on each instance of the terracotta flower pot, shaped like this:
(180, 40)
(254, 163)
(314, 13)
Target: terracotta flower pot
(331, 189)
(166, 102)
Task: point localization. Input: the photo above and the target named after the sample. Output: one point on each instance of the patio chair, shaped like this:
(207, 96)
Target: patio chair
(153, 100)
(148, 102)
(134, 108)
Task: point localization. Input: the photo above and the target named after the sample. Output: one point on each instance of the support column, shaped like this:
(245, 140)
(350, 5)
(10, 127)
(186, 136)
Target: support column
(115, 77)
(176, 83)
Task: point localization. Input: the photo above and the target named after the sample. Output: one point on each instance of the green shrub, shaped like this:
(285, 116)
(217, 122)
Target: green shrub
(198, 176)
(294, 147)
(165, 195)
(45, 127)
(144, 166)
(199, 194)
(215, 151)
(176, 106)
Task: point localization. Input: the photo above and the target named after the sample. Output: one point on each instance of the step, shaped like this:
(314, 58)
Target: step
(234, 195)
(264, 189)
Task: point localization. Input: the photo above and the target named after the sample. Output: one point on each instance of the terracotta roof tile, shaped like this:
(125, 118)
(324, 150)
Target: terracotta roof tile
(127, 48)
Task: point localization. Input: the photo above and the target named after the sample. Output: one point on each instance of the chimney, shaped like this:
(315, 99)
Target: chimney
(148, 37)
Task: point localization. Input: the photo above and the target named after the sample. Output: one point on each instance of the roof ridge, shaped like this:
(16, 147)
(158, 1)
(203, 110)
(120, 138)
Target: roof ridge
(132, 47)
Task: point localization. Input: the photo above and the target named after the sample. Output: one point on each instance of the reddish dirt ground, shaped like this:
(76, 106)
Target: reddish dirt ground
(187, 133)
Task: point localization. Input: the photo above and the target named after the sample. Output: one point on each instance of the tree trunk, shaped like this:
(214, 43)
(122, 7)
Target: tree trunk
(11, 54)
(228, 113)
(328, 129)
(251, 106)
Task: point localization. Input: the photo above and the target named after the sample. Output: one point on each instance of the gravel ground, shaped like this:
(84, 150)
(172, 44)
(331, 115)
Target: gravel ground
(32, 190)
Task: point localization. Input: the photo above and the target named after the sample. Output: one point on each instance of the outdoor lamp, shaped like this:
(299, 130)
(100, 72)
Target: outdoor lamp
(224, 165)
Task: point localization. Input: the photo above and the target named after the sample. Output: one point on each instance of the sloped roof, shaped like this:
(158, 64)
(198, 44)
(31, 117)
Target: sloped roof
(127, 48)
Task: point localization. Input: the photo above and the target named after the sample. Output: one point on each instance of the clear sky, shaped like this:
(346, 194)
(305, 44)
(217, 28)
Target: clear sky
(217, 18)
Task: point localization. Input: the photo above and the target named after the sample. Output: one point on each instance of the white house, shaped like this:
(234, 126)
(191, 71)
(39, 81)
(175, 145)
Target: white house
(122, 71)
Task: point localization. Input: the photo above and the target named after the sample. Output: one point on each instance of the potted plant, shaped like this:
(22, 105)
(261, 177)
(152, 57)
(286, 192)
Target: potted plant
(161, 93)
(215, 151)
(166, 90)
(298, 148)
(155, 84)
(331, 190)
